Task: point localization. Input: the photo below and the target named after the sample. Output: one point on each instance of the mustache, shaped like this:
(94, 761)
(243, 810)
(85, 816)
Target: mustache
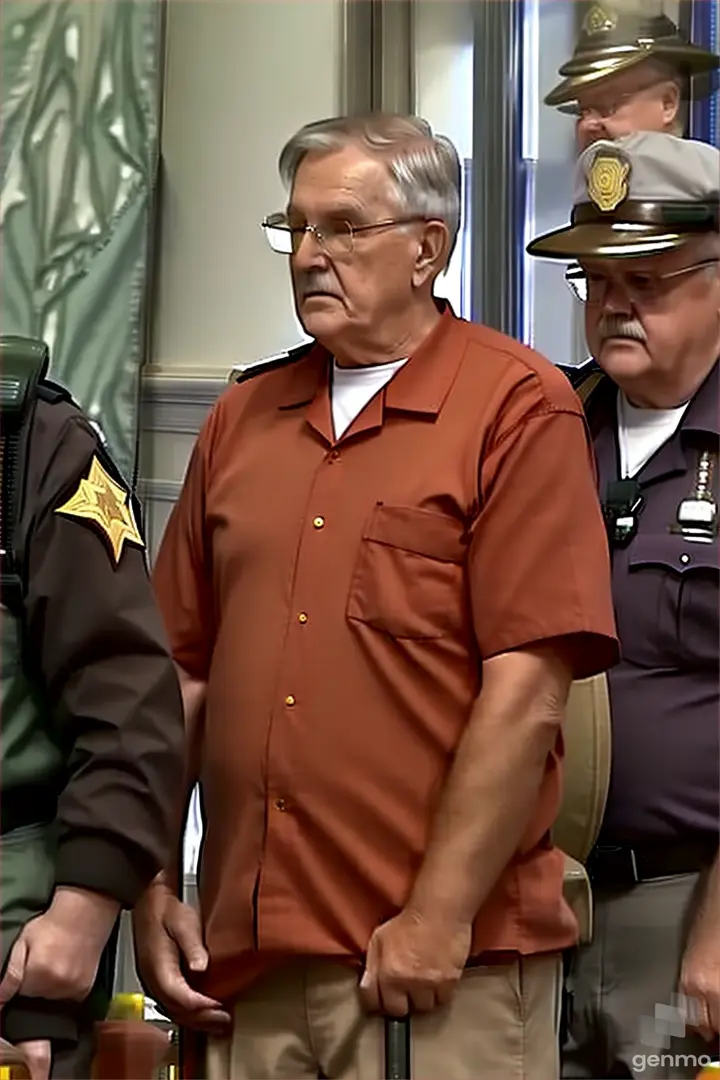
(617, 326)
(311, 283)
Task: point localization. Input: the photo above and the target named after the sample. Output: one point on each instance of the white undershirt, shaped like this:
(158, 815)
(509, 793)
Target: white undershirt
(643, 431)
(353, 387)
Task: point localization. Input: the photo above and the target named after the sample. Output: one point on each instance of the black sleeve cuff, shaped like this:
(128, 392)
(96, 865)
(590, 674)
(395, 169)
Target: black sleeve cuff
(98, 865)
(26, 1018)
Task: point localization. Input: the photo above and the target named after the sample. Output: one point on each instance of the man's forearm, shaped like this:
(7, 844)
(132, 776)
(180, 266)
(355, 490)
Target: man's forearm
(706, 924)
(193, 696)
(490, 796)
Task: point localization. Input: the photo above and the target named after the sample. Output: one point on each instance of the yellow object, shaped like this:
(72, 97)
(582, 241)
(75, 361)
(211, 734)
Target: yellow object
(608, 182)
(710, 1072)
(126, 1007)
(100, 500)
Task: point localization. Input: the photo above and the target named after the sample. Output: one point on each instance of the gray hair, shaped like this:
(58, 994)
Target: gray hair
(424, 168)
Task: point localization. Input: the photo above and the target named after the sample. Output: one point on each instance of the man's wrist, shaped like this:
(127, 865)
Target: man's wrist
(92, 911)
(437, 901)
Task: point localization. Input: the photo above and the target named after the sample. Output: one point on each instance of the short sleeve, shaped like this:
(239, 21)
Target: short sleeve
(182, 573)
(538, 560)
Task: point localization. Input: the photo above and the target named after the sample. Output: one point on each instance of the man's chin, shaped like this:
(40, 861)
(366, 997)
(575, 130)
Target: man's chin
(622, 355)
(321, 320)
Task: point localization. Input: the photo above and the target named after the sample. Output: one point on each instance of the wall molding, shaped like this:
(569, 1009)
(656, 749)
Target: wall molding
(150, 489)
(177, 405)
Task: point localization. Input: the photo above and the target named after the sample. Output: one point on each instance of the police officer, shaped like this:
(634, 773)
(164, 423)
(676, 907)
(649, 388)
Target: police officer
(630, 72)
(645, 232)
(92, 725)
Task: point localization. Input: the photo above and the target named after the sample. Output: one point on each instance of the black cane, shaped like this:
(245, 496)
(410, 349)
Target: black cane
(397, 1048)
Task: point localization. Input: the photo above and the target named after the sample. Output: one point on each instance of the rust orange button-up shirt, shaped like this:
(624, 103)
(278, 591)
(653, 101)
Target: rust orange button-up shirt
(339, 597)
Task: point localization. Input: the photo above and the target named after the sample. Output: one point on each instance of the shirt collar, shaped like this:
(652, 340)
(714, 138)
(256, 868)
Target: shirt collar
(421, 385)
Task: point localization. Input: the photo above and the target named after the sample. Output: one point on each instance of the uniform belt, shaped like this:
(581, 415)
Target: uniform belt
(24, 806)
(625, 864)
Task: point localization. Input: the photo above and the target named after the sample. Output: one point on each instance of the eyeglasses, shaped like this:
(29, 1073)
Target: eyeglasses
(336, 238)
(640, 288)
(604, 110)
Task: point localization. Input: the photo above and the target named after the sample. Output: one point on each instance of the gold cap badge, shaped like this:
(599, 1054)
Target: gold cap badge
(607, 181)
(599, 20)
(100, 500)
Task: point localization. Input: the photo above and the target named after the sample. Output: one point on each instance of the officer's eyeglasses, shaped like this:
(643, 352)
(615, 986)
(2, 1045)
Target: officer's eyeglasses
(337, 238)
(640, 288)
(603, 110)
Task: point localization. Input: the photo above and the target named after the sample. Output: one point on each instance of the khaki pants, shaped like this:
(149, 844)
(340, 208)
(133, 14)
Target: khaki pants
(307, 1021)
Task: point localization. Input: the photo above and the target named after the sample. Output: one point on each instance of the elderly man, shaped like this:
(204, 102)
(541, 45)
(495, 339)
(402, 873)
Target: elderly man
(629, 72)
(645, 230)
(386, 566)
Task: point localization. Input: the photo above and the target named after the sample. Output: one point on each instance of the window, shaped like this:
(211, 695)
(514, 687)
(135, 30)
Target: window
(473, 64)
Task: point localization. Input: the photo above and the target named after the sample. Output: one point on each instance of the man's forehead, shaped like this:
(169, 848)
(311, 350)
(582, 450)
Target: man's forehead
(643, 264)
(347, 174)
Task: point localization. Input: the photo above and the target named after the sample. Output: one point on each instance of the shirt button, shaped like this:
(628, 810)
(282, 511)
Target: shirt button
(280, 804)
(290, 700)
(684, 558)
(302, 617)
(318, 522)
(335, 455)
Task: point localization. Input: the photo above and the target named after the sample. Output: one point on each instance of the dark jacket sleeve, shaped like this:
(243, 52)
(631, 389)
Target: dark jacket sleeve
(96, 644)
(93, 628)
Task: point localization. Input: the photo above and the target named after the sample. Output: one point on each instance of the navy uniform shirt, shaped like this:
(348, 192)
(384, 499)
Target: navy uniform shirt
(664, 694)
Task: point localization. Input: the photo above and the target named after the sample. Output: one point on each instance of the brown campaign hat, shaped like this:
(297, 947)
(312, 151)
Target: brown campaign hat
(613, 40)
(640, 195)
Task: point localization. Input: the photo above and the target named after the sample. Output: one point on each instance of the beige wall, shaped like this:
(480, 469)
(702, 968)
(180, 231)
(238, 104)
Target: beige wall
(241, 76)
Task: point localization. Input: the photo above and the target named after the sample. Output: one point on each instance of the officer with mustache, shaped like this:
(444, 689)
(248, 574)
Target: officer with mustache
(645, 995)
(631, 70)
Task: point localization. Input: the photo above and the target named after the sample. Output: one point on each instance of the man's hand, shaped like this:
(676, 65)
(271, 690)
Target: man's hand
(38, 1058)
(414, 964)
(700, 982)
(164, 929)
(57, 954)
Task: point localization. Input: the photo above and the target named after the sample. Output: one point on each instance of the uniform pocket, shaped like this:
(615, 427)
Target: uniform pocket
(408, 579)
(675, 600)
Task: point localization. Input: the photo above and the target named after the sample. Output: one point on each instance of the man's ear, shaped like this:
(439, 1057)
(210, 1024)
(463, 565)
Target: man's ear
(671, 103)
(432, 252)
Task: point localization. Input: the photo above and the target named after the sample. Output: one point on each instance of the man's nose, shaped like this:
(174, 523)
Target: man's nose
(589, 129)
(309, 253)
(617, 300)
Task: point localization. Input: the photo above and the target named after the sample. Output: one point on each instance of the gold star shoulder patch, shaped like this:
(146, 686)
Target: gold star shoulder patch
(102, 501)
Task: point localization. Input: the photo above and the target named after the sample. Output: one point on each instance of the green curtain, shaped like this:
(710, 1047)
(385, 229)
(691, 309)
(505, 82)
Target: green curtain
(81, 87)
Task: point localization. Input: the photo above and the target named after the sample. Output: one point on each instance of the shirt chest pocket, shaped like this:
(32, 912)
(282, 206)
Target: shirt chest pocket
(674, 598)
(408, 579)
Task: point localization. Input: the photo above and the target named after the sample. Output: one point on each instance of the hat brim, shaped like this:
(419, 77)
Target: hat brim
(689, 61)
(566, 91)
(619, 240)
